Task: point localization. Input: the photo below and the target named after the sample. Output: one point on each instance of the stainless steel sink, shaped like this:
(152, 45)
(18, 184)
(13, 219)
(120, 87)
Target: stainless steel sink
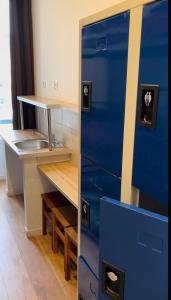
(32, 144)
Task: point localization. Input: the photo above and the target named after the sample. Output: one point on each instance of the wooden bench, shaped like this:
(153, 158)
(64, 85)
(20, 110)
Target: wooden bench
(49, 201)
(62, 217)
(71, 242)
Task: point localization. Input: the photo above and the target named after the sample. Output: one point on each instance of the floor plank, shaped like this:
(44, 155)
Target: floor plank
(12, 268)
(29, 270)
(3, 290)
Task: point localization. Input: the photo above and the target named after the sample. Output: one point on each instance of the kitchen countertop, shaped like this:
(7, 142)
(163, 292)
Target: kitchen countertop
(64, 176)
(10, 136)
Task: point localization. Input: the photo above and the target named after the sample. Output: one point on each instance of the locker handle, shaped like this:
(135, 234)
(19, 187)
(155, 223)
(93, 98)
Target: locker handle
(113, 281)
(86, 94)
(149, 94)
(85, 213)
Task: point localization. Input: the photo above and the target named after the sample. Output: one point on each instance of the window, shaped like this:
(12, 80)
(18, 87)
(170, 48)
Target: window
(5, 66)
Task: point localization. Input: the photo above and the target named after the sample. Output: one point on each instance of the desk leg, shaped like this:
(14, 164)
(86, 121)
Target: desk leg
(34, 185)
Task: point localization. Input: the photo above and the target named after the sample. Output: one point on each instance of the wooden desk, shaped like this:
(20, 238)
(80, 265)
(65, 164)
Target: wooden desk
(64, 176)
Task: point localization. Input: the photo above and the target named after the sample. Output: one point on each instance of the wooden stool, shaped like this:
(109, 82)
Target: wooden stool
(62, 217)
(70, 253)
(49, 201)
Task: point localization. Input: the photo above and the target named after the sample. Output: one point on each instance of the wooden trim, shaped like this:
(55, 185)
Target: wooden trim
(128, 193)
(34, 232)
(114, 10)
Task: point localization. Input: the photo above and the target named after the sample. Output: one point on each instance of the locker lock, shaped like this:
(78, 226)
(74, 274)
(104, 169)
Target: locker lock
(112, 276)
(85, 212)
(148, 104)
(113, 281)
(86, 95)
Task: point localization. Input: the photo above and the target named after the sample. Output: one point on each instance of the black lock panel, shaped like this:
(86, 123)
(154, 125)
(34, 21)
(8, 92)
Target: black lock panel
(148, 104)
(113, 282)
(86, 95)
(85, 212)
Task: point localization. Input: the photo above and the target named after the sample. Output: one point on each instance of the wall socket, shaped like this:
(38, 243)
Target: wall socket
(44, 84)
(55, 84)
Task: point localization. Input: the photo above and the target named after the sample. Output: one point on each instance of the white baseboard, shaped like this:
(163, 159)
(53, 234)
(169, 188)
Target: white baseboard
(33, 232)
(12, 194)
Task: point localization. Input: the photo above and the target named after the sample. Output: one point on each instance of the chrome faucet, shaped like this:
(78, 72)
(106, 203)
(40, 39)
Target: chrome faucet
(49, 129)
(53, 143)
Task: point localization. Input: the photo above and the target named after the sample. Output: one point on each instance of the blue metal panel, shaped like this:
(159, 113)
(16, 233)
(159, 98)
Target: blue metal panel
(87, 282)
(135, 241)
(150, 168)
(95, 183)
(104, 63)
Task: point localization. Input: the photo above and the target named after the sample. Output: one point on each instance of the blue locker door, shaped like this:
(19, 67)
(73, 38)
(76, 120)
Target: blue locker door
(133, 253)
(104, 64)
(150, 167)
(87, 283)
(95, 183)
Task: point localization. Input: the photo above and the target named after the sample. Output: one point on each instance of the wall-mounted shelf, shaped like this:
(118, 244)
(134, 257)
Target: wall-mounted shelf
(44, 103)
(47, 103)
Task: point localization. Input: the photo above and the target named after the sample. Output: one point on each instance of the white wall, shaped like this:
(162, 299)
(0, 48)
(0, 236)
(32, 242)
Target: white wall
(56, 55)
(2, 153)
(64, 126)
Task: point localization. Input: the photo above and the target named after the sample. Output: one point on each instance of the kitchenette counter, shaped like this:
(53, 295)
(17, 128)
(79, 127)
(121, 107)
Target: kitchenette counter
(22, 174)
(11, 136)
(47, 103)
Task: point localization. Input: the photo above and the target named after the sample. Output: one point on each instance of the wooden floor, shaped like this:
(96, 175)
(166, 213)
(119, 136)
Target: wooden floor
(28, 268)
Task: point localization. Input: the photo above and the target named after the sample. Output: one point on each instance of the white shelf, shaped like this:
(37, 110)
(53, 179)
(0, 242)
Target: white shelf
(46, 103)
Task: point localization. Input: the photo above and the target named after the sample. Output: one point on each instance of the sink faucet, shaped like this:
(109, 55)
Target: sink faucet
(51, 136)
(49, 129)
(54, 141)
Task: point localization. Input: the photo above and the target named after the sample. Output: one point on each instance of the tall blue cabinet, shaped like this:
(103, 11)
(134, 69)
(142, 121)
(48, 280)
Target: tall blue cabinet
(123, 248)
(104, 68)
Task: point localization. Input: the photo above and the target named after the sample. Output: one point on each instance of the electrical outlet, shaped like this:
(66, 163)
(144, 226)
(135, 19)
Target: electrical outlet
(68, 124)
(55, 84)
(44, 84)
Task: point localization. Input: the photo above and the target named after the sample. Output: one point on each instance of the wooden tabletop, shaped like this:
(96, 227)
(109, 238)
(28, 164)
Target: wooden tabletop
(64, 176)
(47, 103)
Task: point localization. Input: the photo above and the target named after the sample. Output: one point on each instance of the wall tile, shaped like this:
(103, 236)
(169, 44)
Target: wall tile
(64, 126)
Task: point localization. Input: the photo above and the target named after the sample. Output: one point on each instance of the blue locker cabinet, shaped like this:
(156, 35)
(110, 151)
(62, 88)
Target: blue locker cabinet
(88, 283)
(134, 241)
(123, 249)
(150, 167)
(104, 69)
(95, 183)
